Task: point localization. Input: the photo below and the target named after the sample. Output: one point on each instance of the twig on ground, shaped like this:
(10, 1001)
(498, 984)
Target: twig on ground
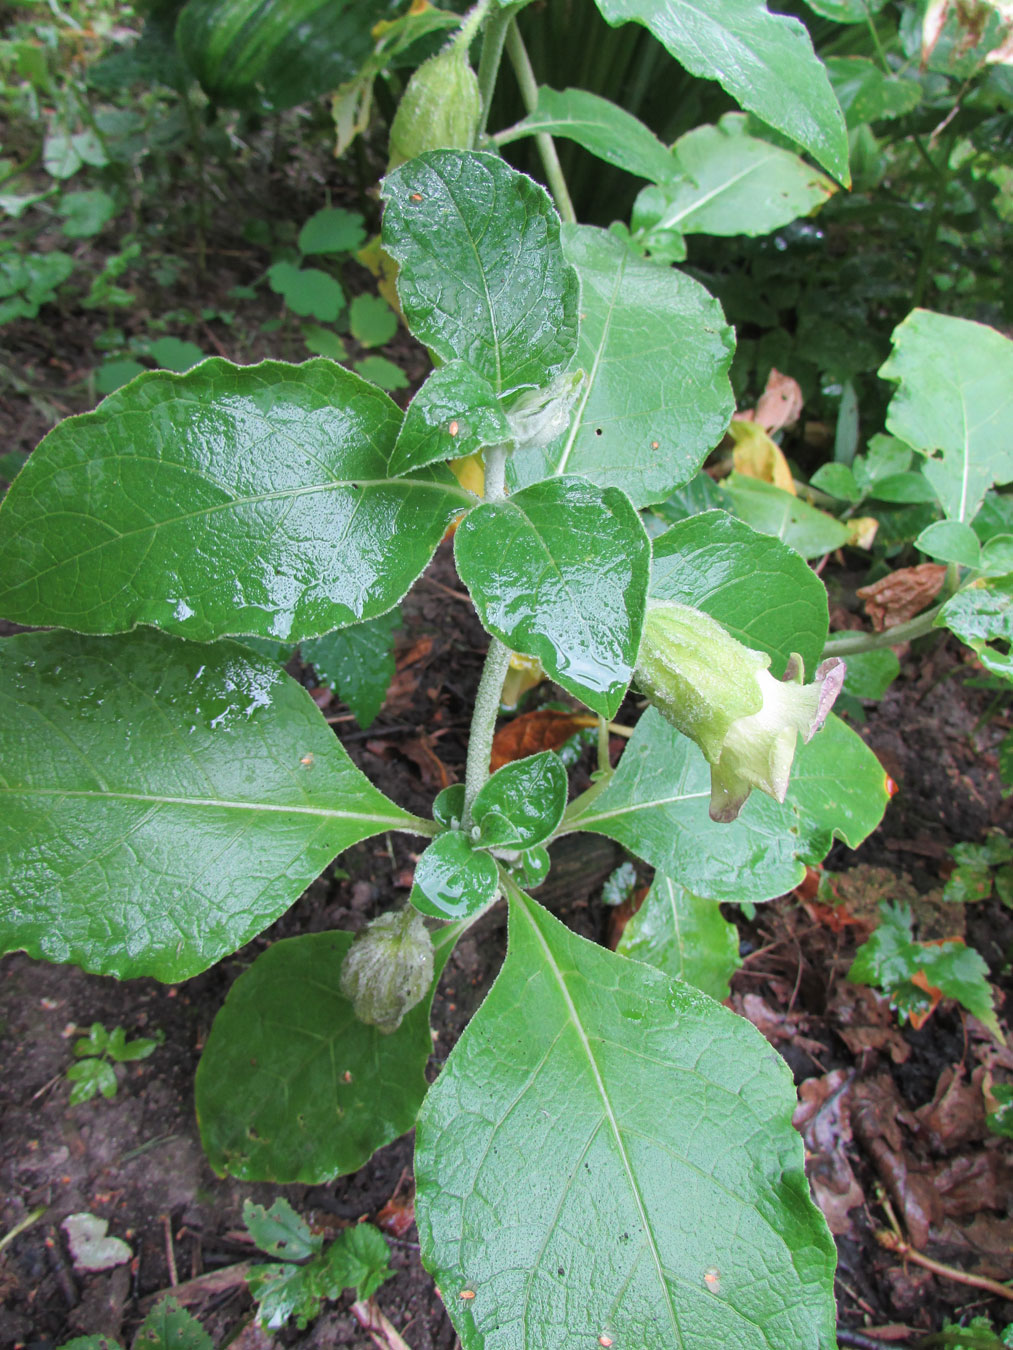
(382, 1331)
(192, 1291)
(170, 1254)
(893, 1242)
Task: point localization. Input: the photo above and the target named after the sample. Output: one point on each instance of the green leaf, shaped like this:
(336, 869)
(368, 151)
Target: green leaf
(307, 290)
(114, 374)
(381, 372)
(482, 274)
(866, 93)
(170, 1327)
(982, 616)
(698, 495)
(371, 320)
(726, 182)
(624, 1173)
(559, 571)
(870, 674)
(765, 61)
(163, 801)
(85, 213)
(771, 510)
(95, 1043)
(758, 588)
(124, 1052)
(332, 230)
(91, 1343)
(846, 11)
(685, 936)
(884, 456)
(997, 555)
(522, 803)
(600, 126)
(357, 663)
(951, 541)
(953, 404)
(839, 480)
(273, 54)
(657, 398)
(91, 1076)
(1000, 1121)
(232, 499)
(173, 353)
(905, 488)
(280, 1231)
(357, 1258)
(995, 516)
(324, 342)
(455, 413)
(656, 806)
(291, 1088)
(448, 806)
(453, 879)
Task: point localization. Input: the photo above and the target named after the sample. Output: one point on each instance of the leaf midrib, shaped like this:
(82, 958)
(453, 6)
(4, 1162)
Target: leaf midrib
(159, 799)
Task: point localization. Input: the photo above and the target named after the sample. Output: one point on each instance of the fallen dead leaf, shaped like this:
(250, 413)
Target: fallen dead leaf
(865, 1023)
(900, 596)
(823, 1119)
(956, 1114)
(435, 774)
(544, 729)
(780, 404)
(877, 1113)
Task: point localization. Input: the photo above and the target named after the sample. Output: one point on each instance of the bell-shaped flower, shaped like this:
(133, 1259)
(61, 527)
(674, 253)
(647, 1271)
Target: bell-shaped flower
(721, 694)
(388, 969)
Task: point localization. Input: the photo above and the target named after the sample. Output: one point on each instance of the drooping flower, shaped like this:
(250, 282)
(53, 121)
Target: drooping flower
(388, 969)
(721, 694)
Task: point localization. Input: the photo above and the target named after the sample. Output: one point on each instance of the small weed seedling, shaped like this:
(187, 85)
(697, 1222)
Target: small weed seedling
(96, 1054)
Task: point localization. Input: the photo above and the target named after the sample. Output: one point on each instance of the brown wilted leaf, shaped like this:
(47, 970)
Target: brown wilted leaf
(865, 1023)
(544, 729)
(780, 404)
(903, 594)
(877, 1113)
(956, 1114)
(822, 1118)
(435, 774)
(398, 1214)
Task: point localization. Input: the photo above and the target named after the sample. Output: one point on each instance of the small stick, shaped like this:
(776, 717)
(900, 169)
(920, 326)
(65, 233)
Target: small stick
(382, 1331)
(170, 1254)
(893, 1242)
(192, 1291)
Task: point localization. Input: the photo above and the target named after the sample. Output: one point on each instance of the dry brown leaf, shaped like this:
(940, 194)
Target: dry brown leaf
(877, 1113)
(822, 1118)
(756, 456)
(901, 595)
(780, 404)
(435, 774)
(864, 1022)
(956, 1114)
(544, 729)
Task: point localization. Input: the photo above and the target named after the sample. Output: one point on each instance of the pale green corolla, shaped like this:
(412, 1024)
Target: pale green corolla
(721, 694)
(388, 969)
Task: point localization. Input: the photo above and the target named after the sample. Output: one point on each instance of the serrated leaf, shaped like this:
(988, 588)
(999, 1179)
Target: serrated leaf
(163, 801)
(482, 277)
(232, 499)
(559, 571)
(726, 182)
(771, 510)
(953, 404)
(291, 1088)
(656, 805)
(357, 663)
(757, 587)
(170, 1327)
(279, 1231)
(765, 61)
(357, 1258)
(683, 935)
(624, 1173)
(90, 1076)
(454, 879)
(307, 291)
(656, 351)
(332, 230)
(522, 803)
(454, 414)
(600, 126)
(371, 320)
(982, 616)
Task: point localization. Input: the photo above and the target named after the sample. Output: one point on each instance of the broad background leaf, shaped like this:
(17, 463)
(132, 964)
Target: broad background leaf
(954, 404)
(624, 1173)
(765, 61)
(758, 587)
(482, 274)
(656, 351)
(357, 663)
(656, 805)
(291, 1085)
(771, 510)
(163, 801)
(559, 571)
(683, 935)
(231, 499)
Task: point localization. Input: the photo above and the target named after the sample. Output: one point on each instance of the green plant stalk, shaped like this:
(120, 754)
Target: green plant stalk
(546, 145)
(843, 644)
(483, 723)
(488, 65)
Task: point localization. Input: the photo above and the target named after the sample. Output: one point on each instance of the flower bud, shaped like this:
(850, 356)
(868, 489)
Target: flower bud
(439, 109)
(722, 695)
(388, 969)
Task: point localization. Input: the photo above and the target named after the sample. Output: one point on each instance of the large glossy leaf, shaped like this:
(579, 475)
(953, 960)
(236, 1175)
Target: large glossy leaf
(162, 801)
(357, 663)
(726, 182)
(765, 61)
(522, 803)
(982, 616)
(559, 571)
(759, 588)
(291, 1085)
(772, 510)
(953, 404)
(629, 1174)
(683, 935)
(482, 274)
(656, 805)
(275, 53)
(455, 413)
(656, 351)
(599, 125)
(231, 499)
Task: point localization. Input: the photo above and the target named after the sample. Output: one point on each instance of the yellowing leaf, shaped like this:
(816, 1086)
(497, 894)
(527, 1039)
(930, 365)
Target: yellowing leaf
(470, 473)
(375, 258)
(862, 530)
(756, 456)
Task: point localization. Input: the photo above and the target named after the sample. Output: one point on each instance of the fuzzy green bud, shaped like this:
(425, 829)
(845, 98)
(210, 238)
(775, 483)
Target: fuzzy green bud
(439, 110)
(388, 969)
(721, 694)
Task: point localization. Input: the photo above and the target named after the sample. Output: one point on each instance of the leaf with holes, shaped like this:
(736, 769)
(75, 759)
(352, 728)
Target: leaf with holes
(164, 801)
(982, 616)
(625, 1172)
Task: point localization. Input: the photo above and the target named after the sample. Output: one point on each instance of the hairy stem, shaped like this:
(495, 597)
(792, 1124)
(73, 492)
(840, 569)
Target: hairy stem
(483, 723)
(841, 644)
(546, 145)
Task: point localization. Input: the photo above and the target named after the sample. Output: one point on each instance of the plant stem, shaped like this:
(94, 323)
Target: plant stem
(546, 145)
(935, 219)
(471, 23)
(871, 23)
(841, 644)
(604, 761)
(483, 723)
(488, 64)
(893, 1242)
